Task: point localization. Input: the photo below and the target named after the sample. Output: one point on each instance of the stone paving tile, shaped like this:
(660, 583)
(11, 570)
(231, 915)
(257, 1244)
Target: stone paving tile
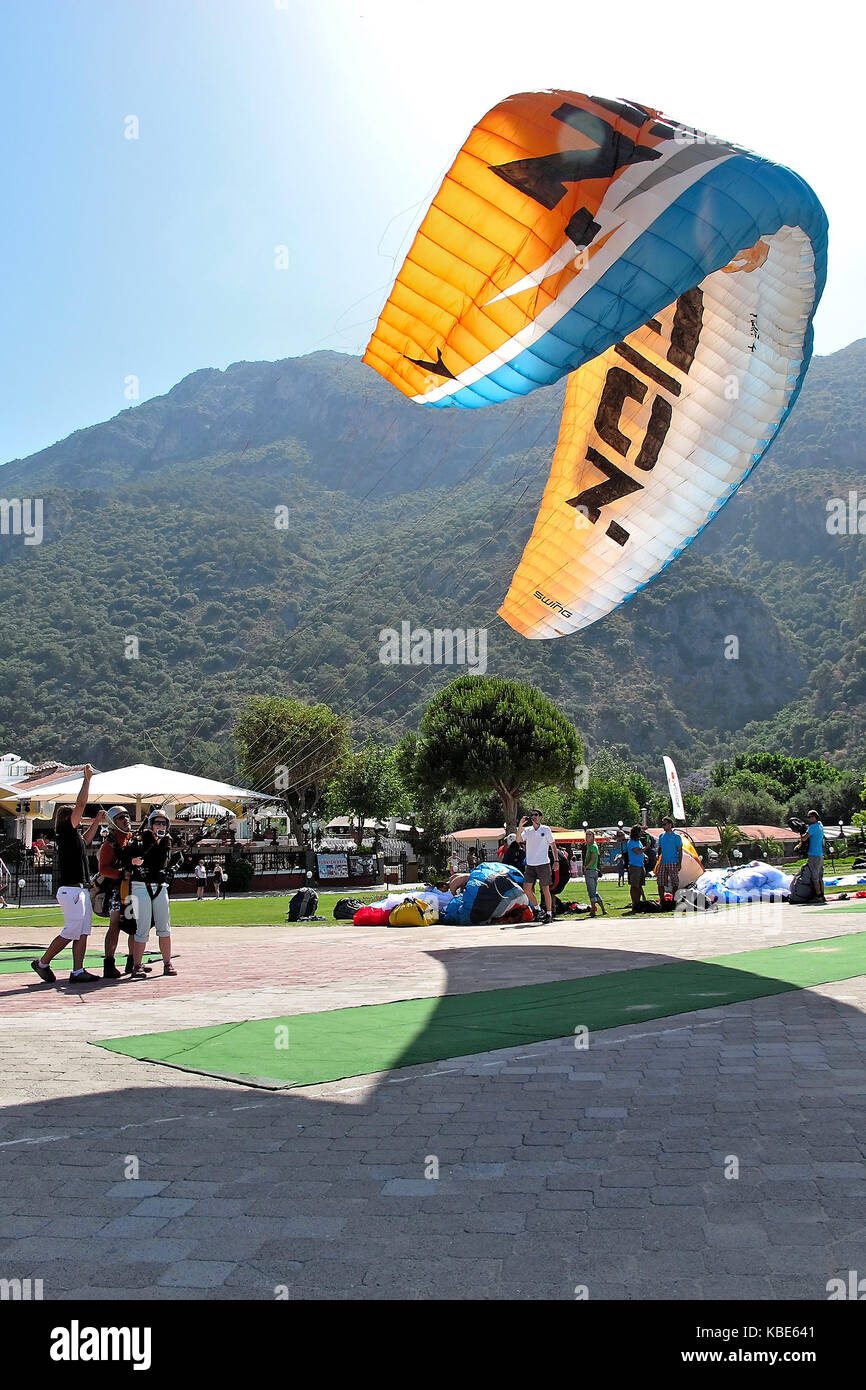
(557, 1168)
(197, 1274)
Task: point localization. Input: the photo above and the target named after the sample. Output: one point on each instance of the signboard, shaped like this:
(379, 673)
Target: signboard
(674, 788)
(333, 865)
(363, 866)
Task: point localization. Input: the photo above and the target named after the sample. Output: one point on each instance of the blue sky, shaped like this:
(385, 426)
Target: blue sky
(325, 126)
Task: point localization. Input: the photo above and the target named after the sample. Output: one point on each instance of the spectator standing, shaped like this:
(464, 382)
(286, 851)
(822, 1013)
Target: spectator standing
(670, 860)
(537, 840)
(621, 856)
(813, 842)
(200, 880)
(590, 874)
(513, 853)
(72, 892)
(113, 866)
(218, 873)
(636, 872)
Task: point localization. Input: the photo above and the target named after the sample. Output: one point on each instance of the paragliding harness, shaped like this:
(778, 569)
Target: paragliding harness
(693, 900)
(101, 893)
(346, 908)
(802, 887)
(302, 905)
(102, 889)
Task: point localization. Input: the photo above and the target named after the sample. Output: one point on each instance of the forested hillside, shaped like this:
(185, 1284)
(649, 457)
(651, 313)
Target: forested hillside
(165, 525)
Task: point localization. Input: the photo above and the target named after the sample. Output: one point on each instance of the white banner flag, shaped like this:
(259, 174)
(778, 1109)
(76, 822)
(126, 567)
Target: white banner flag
(674, 786)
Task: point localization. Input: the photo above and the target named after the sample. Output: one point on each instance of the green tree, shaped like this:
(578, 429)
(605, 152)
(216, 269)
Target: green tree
(692, 805)
(291, 751)
(602, 803)
(833, 800)
(554, 805)
(752, 807)
(746, 780)
(483, 733)
(368, 786)
(790, 774)
(640, 787)
(658, 806)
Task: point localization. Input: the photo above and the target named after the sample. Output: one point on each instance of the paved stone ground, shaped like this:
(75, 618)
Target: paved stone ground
(558, 1168)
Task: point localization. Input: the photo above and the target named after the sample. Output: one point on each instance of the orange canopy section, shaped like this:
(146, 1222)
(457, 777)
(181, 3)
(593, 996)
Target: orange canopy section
(500, 242)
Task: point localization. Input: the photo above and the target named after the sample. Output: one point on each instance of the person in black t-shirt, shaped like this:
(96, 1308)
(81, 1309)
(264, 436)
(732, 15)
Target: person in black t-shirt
(152, 853)
(73, 877)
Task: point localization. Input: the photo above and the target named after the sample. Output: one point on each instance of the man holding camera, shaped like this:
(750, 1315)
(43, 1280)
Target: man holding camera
(539, 844)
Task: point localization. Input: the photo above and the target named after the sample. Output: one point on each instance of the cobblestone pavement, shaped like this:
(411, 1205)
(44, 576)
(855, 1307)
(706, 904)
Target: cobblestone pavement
(610, 1169)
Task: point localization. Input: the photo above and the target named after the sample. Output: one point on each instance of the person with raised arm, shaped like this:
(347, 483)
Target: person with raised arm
(73, 878)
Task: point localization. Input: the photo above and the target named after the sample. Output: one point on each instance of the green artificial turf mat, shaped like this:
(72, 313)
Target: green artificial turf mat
(16, 960)
(13, 963)
(309, 1049)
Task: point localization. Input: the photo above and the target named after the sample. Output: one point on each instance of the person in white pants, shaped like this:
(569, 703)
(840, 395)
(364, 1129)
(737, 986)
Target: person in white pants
(73, 876)
(150, 866)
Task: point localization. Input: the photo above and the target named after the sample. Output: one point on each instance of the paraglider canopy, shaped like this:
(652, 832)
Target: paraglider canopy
(671, 276)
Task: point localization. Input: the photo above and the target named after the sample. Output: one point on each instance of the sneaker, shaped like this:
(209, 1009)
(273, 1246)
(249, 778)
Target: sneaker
(168, 968)
(110, 970)
(44, 972)
(140, 974)
(130, 969)
(85, 978)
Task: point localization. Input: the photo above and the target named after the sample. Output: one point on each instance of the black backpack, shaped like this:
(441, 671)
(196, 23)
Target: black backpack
(346, 908)
(302, 904)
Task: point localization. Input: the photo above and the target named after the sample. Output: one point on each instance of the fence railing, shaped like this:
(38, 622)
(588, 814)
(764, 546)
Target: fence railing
(34, 870)
(26, 876)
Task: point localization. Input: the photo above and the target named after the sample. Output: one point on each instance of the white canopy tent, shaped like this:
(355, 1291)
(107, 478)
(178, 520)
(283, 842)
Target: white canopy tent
(143, 785)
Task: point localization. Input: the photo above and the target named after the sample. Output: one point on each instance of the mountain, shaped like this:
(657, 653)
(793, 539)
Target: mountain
(255, 529)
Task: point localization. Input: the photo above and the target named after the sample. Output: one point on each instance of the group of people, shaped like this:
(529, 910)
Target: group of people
(134, 868)
(533, 849)
(642, 856)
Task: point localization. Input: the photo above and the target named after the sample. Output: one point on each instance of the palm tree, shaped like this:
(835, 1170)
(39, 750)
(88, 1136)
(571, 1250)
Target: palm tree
(729, 836)
(769, 847)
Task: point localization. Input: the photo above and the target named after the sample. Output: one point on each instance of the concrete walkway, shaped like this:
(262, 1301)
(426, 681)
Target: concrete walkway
(610, 1168)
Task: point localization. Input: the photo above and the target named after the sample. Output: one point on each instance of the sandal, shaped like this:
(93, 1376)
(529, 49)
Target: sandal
(168, 969)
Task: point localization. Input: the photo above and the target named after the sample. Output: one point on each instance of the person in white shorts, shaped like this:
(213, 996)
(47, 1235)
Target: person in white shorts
(73, 878)
(152, 851)
(200, 880)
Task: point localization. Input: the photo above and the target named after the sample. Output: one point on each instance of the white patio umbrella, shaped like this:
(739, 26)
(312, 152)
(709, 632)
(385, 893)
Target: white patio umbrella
(144, 785)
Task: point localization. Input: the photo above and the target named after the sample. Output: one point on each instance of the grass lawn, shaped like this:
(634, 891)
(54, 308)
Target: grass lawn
(253, 912)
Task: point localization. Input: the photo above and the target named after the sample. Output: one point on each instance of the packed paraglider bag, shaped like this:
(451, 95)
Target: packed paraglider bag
(302, 905)
(413, 912)
(802, 888)
(345, 909)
